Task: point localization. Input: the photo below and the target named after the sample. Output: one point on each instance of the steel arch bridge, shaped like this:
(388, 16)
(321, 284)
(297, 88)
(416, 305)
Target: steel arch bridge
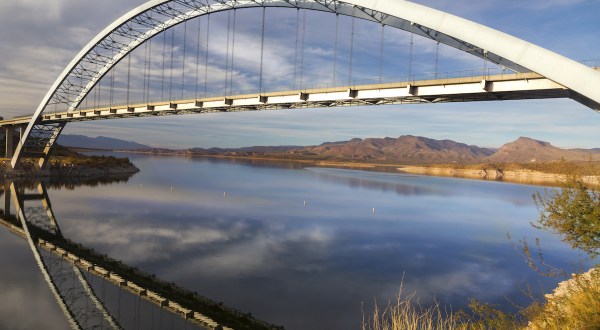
(570, 78)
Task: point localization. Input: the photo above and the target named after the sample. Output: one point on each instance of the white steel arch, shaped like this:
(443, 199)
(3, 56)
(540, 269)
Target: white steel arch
(144, 22)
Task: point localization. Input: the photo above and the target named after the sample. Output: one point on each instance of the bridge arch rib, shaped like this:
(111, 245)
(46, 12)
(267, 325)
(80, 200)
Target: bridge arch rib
(127, 33)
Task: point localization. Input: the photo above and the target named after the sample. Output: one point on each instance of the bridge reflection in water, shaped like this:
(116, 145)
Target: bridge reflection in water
(97, 292)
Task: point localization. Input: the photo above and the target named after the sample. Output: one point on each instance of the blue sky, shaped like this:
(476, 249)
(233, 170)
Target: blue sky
(40, 38)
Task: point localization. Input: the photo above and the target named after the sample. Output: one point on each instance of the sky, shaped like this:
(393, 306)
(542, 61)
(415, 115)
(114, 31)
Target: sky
(39, 38)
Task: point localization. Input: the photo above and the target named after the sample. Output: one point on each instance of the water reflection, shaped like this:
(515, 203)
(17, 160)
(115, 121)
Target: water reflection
(363, 180)
(94, 291)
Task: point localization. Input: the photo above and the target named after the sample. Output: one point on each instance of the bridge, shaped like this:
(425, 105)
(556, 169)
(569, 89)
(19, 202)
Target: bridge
(121, 61)
(69, 269)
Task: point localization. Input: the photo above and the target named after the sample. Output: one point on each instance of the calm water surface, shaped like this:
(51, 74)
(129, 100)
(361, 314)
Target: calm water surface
(243, 235)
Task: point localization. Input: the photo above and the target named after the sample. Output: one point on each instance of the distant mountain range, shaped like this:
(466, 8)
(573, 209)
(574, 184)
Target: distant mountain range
(407, 149)
(100, 142)
(412, 150)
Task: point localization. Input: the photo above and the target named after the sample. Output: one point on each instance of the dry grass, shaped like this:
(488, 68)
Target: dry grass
(406, 314)
(575, 304)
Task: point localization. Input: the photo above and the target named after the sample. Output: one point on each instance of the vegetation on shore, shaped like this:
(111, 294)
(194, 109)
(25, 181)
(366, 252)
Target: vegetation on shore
(72, 165)
(91, 161)
(573, 212)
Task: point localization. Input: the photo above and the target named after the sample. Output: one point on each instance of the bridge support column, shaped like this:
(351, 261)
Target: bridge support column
(9, 134)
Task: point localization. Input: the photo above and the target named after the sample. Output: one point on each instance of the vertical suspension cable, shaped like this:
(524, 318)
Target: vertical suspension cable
(162, 83)
(232, 52)
(86, 96)
(351, 48)
(381, 53)
(410, 56)
(335, 46)
(183, 65)
(485, 70)
(198, 57)
(262, 50)
(206, 56)
(128, 78)
(145, 71)
(437, 58)
(96, 95)
(149, 70)
(302, 49)
(225, 82)
(112, 84)
(98, 91)
(296, 48)
(172, 63)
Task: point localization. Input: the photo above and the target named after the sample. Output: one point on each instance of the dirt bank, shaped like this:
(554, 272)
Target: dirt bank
(516, 176)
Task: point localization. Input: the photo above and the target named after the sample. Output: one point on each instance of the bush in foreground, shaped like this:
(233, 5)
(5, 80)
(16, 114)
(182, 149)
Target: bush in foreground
(574, 304)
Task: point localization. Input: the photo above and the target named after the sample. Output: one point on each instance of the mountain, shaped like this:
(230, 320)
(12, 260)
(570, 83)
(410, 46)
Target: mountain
(244, 150)
(525, 150)
(405, 149)
(100, 142)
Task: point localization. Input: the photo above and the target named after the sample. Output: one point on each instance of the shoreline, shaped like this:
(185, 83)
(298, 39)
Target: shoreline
(67, 171)
(513, 176)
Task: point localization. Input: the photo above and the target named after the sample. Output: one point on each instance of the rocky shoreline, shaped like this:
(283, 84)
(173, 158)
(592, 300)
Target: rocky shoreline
(514, 176)
(62, 170)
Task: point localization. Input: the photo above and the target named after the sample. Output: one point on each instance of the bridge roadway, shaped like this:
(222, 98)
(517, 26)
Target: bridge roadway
(512, 86)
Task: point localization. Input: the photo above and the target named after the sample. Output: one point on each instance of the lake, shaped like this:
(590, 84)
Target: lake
(302, 247)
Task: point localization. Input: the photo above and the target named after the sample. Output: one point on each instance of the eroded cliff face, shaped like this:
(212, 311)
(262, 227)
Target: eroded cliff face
(517, 176)
(574, 304)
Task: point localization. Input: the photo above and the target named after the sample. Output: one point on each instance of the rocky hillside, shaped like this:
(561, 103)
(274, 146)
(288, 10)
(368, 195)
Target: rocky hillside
(525, 150)
(99, 142)
(405, 149)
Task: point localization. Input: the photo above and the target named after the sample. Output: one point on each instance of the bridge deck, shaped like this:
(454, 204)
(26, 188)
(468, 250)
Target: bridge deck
(476, 88)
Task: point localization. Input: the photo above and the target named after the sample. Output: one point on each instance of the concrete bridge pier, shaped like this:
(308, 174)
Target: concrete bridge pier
(12, 135)
(9, 137)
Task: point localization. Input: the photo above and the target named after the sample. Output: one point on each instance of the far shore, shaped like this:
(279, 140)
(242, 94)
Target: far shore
(517, 176)
(523, 176)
